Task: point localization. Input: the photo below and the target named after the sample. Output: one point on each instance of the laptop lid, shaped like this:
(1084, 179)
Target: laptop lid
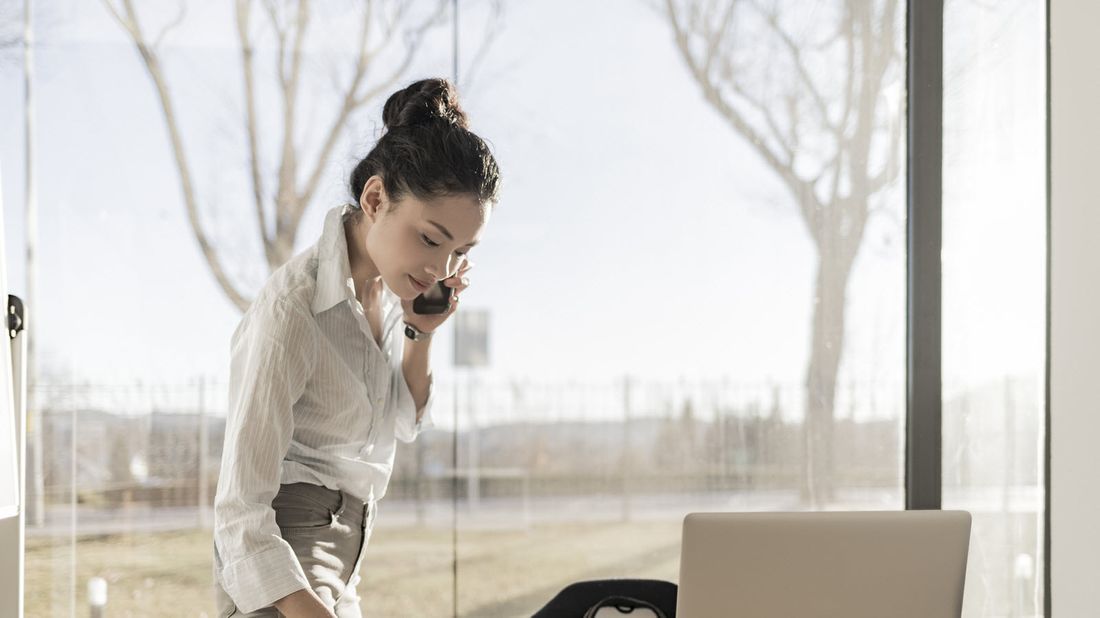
(902, 564)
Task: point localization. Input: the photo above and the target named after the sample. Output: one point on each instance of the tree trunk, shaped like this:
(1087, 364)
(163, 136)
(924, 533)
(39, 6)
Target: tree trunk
(817, 487)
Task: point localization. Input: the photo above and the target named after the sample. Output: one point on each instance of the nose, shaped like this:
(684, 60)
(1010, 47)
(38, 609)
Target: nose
(442, 268)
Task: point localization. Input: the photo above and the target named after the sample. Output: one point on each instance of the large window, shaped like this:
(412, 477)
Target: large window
(705, 267)
(994, 247)
(695, 283)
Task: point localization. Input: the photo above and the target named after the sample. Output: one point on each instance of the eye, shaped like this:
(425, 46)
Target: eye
(432, 243)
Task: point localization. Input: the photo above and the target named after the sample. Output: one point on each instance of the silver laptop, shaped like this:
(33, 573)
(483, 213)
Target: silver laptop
(870, 564)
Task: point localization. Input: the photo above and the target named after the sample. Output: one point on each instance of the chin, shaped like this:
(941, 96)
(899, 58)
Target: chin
(405, 291)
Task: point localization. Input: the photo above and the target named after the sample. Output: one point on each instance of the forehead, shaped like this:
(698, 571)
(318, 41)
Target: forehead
(461, 215)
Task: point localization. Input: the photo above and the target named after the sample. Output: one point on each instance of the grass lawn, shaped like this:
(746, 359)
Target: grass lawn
(407, 573)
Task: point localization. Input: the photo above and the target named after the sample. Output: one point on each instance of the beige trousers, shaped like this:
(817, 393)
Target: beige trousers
(328, 531)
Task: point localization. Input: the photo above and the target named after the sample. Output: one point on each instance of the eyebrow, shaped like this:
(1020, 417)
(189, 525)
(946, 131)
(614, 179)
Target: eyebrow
(448, 234)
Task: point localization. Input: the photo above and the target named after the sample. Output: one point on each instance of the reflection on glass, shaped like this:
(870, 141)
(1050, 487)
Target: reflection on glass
(994, 221)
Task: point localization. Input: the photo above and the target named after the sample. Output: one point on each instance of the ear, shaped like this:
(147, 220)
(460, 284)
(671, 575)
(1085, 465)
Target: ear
(373, 199)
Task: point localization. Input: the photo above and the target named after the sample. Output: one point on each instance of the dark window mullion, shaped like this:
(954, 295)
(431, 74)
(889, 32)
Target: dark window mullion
(924, 60)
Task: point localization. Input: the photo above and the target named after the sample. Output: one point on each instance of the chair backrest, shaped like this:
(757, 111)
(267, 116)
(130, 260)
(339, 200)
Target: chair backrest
(577, 599)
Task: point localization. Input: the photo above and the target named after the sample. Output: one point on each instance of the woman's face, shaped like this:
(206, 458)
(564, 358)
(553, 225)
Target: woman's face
(420, 243)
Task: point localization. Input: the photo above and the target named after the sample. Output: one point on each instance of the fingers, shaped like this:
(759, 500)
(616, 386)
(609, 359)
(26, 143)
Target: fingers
(458, 283)
(450, 310)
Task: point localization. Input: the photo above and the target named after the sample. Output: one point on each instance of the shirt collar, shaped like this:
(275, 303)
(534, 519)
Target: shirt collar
(334, 282)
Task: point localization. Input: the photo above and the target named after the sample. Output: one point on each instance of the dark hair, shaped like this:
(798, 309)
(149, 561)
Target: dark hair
(427, 148)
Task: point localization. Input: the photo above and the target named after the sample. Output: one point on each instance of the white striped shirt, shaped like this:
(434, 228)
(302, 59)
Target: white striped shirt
(312, 399)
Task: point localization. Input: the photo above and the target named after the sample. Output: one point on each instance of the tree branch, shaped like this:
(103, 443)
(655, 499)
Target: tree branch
(129, 21)
(892, 167)
(175, 22)
(346, 107)
(800, 67)
(352, 102)
(280, 35)
(492, 31)
(808, 202)
(789, 149)
(287, 200)
(244, 14)
(126, 23)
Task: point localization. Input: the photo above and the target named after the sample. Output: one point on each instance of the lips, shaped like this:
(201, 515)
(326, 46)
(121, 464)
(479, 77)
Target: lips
(420, 285)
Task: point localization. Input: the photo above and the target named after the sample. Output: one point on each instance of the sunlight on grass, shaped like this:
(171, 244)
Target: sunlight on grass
(408, 571)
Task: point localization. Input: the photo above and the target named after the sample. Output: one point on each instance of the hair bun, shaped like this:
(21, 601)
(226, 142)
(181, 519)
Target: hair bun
(424, 103)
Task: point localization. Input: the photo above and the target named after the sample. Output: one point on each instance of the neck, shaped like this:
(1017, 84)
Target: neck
(368, 281)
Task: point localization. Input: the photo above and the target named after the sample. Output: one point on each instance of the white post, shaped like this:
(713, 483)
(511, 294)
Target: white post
(36, 508)
(13, 445)
(473, 481)
(97, 596)
(626, 457)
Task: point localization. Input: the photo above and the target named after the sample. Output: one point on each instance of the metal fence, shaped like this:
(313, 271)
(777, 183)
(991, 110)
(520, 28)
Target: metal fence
(116, 448)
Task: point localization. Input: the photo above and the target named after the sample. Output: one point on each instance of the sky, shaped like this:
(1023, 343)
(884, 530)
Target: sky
(637, 234)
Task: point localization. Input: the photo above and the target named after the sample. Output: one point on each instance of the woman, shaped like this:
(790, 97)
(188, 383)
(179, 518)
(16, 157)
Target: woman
(330, 364)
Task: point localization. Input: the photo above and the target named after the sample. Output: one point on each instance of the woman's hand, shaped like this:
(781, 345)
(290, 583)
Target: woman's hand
(428, 323)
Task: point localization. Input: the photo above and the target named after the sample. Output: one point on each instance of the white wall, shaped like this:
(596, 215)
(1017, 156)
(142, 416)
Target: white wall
(1075, 308)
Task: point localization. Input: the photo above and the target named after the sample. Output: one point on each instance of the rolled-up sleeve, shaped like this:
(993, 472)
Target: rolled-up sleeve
(271, 360)
(406, 427)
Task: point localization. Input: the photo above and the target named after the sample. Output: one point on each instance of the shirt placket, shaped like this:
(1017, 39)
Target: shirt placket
(374, 379)
(374, 383)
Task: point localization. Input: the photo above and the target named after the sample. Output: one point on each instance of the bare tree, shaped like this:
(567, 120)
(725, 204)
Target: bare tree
(11, 39)
(279, 203)
(805, 89)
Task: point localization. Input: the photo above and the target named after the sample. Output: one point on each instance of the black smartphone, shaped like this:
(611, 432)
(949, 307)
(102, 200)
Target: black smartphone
(436, 300)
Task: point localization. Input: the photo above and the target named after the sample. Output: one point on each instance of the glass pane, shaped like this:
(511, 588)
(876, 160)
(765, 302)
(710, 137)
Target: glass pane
(51, 516)
(695, 254)
(131, 330)
(994, 254)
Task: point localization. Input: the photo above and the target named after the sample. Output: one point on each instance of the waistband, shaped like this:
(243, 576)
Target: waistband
(343, 506)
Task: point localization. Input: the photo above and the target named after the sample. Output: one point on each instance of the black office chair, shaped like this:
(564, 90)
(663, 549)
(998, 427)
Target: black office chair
(584, 599)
